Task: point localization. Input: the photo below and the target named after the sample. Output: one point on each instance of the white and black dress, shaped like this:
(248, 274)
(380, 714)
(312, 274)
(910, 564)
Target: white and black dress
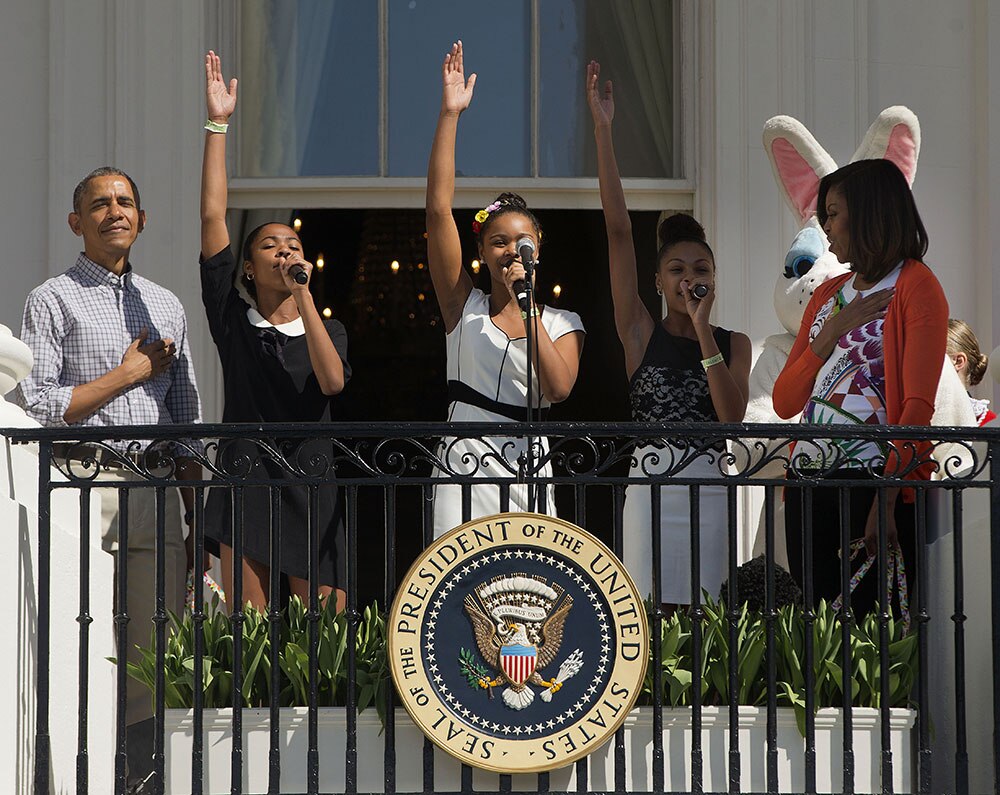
(268, 377)
(671, 386)
(487, 382)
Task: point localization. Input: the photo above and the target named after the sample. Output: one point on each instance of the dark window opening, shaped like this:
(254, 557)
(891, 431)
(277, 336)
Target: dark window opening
(376, 281)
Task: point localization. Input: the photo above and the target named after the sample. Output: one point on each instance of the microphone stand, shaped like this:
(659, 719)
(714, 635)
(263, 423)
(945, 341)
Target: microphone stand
(529, 268)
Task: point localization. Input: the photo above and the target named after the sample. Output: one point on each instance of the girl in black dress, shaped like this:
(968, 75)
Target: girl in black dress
(681, 368)
(281, 362)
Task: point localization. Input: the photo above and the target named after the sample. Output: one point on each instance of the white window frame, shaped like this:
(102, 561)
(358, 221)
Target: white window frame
(247, 193)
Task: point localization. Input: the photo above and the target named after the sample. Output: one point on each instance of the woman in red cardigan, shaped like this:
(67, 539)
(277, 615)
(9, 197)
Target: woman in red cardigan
(869, 352)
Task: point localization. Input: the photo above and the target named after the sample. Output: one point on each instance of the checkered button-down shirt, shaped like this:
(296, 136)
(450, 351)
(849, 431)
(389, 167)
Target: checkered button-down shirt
(78, 326)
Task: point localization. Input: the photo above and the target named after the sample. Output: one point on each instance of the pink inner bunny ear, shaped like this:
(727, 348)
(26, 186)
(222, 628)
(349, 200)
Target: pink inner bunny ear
(798, 178)
(902, 150)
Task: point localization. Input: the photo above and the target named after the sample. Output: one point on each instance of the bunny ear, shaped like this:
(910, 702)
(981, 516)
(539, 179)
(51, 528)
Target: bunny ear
(799, 162)
(895, 136)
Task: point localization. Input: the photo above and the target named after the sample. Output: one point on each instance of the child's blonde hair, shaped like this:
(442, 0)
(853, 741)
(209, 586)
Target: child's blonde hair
(961, 339)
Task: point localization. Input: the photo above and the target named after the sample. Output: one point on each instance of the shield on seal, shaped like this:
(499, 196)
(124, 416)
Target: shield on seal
(518, 662)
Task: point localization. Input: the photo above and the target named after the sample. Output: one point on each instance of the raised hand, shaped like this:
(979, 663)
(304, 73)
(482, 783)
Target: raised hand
(220, 99)
(602, 103)
(456, 91)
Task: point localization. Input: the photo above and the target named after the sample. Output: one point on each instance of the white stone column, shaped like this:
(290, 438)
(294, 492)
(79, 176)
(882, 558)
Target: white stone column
(19, 590)
(15, 363)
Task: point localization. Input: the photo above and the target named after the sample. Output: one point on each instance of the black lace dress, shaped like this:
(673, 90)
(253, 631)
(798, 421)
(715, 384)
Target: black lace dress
(671, 386)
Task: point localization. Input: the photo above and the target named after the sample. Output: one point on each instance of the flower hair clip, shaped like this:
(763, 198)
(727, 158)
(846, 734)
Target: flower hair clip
(482, 215)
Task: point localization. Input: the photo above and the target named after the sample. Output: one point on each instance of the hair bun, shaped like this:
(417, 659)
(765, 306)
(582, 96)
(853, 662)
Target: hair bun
(680, 226)
(962, 339)
(511, 200)
(977, 369)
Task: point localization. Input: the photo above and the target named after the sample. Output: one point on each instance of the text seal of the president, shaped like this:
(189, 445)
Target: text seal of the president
(518, 643)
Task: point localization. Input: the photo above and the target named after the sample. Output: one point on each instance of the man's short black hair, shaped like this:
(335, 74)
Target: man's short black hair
(104, 171)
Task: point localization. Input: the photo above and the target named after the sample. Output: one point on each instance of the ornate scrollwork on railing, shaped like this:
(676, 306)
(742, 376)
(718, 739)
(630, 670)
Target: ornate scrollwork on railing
(390, 458)
(87, 461)
(959, 460)
(580, 456)
(240, 459)
(712, 453)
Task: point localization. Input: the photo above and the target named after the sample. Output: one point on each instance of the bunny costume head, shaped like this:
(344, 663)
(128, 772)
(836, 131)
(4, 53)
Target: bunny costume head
(799, 163)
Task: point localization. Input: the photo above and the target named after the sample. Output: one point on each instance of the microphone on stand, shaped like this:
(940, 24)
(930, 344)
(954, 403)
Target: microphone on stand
(526, 252)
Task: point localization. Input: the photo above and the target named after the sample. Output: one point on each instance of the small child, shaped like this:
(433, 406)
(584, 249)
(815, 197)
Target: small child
(970, 364)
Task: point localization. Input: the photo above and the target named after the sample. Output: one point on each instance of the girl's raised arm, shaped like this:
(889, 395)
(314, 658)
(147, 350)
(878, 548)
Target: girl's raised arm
(444, 249)
(220, 101)
(632, 319)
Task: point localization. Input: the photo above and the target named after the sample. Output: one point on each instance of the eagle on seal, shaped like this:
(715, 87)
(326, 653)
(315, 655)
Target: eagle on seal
(507, 644)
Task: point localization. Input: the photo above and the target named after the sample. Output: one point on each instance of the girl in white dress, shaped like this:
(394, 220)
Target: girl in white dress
(679, 369)
(486, 345)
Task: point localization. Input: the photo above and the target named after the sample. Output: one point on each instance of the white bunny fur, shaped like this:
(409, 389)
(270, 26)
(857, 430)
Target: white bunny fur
(799, 162)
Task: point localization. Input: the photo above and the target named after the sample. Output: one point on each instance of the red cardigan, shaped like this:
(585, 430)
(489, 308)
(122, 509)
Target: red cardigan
(915, 335)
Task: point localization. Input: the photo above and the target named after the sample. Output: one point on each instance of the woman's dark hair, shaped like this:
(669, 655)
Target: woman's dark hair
(251, 238)
(882, 218)
(247, 252)
(510, 203)
(680, 228)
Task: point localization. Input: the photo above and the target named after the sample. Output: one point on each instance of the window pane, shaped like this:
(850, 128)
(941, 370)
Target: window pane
(308, 101)
(494, 133)
(633, 41)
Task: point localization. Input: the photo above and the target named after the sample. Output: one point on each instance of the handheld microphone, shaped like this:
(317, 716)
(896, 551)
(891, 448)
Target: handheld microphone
(699, 291)
(526, 251)
(298, 273)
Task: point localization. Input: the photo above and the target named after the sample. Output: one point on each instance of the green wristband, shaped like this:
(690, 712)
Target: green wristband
(706, 363)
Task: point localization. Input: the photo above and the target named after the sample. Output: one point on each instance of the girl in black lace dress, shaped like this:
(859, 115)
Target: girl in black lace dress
(681, 369)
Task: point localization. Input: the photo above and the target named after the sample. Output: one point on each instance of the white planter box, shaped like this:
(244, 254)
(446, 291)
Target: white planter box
(638, 753)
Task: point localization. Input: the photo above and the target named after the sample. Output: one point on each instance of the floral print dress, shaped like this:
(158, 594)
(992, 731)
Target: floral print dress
(850, 386)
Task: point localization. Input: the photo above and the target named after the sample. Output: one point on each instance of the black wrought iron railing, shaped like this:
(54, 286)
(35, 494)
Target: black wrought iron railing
(387, 476)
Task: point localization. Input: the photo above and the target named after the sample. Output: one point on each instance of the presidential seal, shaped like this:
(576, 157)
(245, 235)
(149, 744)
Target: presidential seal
(518, 643)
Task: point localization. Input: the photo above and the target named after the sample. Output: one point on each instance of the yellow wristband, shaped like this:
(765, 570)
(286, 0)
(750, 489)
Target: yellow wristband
(534, 313)
(216, 126)
(717, 359)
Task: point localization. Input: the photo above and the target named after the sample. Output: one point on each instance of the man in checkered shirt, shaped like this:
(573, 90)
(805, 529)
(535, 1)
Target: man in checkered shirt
(111, 348)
